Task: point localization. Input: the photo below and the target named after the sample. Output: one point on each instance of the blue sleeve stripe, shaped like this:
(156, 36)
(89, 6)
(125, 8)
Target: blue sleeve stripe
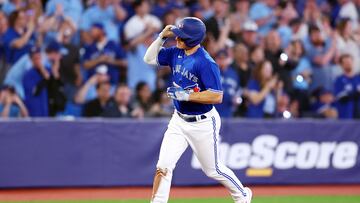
(213, 90)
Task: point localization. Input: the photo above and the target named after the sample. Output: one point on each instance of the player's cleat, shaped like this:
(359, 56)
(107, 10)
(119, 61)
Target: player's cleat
(248, 195)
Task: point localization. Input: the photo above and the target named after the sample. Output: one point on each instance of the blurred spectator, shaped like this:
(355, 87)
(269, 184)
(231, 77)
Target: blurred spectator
(88, 91)
(263, 13)
(71, 9)
(143, 99)
(103, 52)
(287, 14)
(17, 71)
(107, 12)
(10, 104)
(3, 29)
(285, 108)
(262, 92)
(249, 35)
(13, 5)
(119, 106)
(324, 106)
(70, 71)
(53, 25)
(239, 17)
(279, 60)
(345, 42)
(300, 76)
(257, 55)
(215, 24)
(95, 107)
(347, 89)
(348, 10)
(203, 10)
(20, 37)
(230, 85)
(161, 7)
(162, 106)
(139, 31)
(299, 29)
(312, 12)
(41, 86)
(320, 52)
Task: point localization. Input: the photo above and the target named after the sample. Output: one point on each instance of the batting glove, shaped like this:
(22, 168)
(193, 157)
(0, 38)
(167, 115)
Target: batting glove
(178, 93)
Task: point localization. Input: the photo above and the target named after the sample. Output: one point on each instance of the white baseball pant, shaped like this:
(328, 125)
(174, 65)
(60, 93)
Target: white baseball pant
(203, 138)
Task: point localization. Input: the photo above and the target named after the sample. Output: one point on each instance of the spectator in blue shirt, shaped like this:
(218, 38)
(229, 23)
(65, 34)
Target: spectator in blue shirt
(230, 85)
(324, 105)
(3, 29)
(347, 90)
(36, 95)
(109, 13)
(262, 12)
(320, 52)
(70, 8)
(12, 5)
(262, 91)
(10, 104)
(103, 51)
(19, 38)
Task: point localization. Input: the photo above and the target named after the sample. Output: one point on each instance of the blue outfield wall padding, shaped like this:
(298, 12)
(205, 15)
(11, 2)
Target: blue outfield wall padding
(101, 152)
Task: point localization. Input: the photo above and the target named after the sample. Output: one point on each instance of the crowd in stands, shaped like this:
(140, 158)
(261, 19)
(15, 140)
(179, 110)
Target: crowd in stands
(84, 58)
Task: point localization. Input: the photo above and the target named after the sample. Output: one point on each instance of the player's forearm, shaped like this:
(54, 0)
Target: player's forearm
(153, 51)
(206, 97)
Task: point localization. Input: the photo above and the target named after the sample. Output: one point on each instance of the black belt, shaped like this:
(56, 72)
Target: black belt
(191, 118)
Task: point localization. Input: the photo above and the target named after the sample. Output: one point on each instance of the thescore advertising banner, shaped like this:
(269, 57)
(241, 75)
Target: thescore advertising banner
(124, 152)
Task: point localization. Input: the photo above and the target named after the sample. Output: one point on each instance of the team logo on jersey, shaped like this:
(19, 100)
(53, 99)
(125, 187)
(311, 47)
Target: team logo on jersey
(193, 88)
(178, 69)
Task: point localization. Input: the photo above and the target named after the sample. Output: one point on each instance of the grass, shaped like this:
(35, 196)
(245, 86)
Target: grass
(285, 199)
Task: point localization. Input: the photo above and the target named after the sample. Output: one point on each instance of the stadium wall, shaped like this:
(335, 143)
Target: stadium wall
(100, 152)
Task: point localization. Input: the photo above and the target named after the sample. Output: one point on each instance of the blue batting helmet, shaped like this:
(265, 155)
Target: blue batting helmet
(191, 30)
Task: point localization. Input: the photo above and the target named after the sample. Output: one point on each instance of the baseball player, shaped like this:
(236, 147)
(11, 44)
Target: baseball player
(195, 122)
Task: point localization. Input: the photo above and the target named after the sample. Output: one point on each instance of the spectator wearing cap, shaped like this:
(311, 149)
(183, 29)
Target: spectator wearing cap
(15, 76)
(347, 89)
(20, 37)
(230, 85)
(10, 104)
(263, 13)
(95, 107)
(103, 51)
(320, 52)
(88, 91)
(249, 35)
(139, 32)
(107, 12)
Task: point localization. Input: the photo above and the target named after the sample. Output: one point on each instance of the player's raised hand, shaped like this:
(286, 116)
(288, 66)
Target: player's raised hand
(166, 32)
(178, 93)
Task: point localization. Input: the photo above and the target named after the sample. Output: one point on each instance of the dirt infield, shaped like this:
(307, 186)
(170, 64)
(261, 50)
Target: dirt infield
(178, 192)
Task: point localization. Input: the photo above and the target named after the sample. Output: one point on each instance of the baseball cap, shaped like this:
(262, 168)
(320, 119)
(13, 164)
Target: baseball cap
(250, 25)
(192, 30)
(102, 69)
(55, 46)
(99, 26)
(34, 50)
